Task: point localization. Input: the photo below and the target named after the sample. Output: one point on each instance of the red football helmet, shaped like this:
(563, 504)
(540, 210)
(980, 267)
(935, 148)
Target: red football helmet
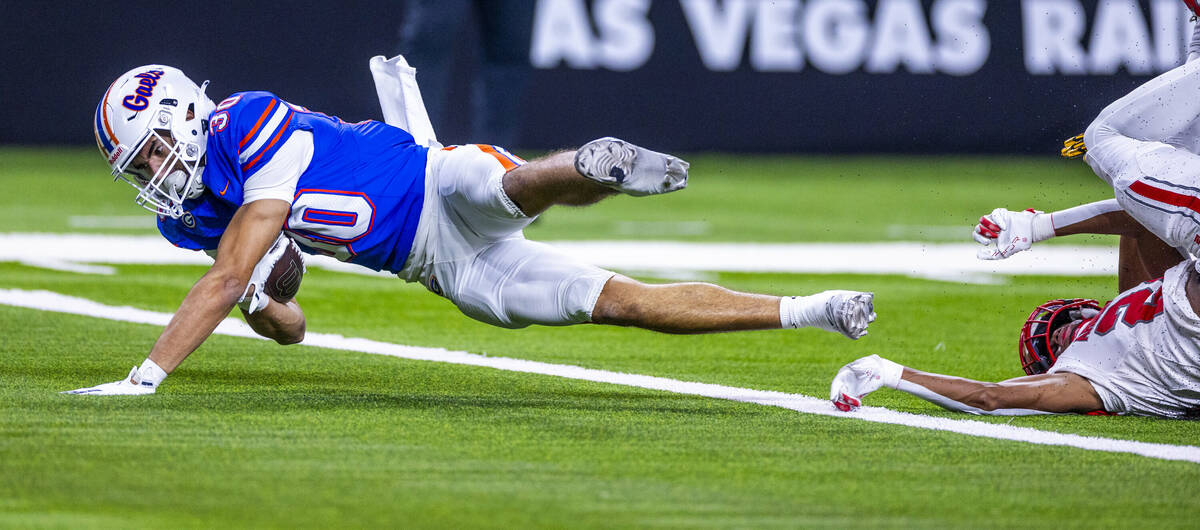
(1193, 5)
(1034, 346)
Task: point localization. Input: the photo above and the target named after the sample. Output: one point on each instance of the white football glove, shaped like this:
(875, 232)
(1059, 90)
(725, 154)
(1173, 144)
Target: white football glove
(1004, 233)
(860, 378)
(253, 298)
(125, 387)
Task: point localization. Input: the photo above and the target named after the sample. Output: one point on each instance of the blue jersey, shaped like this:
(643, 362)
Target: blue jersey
(359, 199)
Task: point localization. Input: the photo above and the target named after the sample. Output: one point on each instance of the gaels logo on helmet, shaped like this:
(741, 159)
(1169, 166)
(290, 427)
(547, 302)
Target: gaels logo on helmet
(172, 112)
(139, 99)
(1034, 346)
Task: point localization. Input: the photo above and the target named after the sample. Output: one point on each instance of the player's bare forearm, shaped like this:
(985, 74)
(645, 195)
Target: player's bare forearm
(209, 302)
(969, 392)
(251, 231)
(1055, 393)
(282, 323)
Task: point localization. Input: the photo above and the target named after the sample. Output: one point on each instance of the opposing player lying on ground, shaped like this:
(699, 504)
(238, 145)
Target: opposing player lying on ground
(229, 177)
(1141, 354)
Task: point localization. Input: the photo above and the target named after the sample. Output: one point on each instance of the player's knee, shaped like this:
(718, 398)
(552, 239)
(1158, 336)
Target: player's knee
(620, 303)
(1096, 132)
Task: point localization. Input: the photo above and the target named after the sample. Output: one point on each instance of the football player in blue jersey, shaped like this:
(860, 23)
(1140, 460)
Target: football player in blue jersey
(229, 178)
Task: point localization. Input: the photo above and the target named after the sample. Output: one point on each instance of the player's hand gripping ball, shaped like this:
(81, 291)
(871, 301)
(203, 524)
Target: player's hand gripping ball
(276, 276)
(283, 282)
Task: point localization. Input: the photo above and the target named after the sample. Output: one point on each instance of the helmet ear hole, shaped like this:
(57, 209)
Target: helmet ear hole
(191, 112)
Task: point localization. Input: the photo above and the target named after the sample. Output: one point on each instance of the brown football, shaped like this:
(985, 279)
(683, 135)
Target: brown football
(284, 281)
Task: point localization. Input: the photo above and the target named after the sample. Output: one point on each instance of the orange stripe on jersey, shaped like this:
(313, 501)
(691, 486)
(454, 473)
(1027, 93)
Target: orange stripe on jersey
(270, 145)
(508, 162)
(451, 148)
(261, 119)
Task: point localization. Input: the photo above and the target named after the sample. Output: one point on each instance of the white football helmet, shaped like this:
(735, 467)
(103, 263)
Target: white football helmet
(153, 101)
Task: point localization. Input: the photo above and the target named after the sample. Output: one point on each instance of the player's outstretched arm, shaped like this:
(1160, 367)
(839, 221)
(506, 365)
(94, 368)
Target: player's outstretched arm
(1101, 217)
(1057, 393)
(1004, 232)
(269, 302)
(252, 231)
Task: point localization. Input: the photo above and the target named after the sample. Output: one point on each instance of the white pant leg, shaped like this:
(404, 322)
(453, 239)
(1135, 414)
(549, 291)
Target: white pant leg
(471, 185)
(1144, 145)
(1165, 109)
(478, 258)
(1193, 49)
(465, 208)
(515, 282)
(1156, 184)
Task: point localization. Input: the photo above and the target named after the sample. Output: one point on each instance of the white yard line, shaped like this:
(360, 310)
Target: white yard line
(111, 221)
(949, 262)
(50, 301)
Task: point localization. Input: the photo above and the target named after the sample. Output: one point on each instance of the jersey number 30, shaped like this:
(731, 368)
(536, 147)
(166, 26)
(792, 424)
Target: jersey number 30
(331, 221)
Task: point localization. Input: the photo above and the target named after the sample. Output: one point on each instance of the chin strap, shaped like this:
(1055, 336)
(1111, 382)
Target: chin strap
(197, 188)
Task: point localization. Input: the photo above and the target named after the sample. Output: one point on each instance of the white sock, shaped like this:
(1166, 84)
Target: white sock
(151, 373)
(804, 311)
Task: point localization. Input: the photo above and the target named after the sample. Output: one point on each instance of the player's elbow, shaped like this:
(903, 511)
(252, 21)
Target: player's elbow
(226, 287)
(293, 335)
(989, 398)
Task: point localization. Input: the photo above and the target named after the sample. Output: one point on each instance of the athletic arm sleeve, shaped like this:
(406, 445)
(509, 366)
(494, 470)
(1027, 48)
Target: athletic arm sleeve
(947, 403)
(1082, 213)
(277, 179)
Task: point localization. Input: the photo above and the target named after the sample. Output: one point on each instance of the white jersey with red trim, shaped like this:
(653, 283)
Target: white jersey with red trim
(1142, 352)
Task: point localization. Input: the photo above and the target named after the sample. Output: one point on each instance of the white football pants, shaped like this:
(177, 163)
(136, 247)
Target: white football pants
(469, 247)
(1146, 145)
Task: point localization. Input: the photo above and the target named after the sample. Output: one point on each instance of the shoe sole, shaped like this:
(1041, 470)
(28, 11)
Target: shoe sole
(857, 308)
(622, 154)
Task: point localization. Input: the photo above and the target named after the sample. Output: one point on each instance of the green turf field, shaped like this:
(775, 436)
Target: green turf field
(251, 434)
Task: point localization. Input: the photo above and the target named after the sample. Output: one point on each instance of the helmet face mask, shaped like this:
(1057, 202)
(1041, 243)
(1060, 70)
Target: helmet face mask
(1036, 346)
(156, 103)
(175, 180)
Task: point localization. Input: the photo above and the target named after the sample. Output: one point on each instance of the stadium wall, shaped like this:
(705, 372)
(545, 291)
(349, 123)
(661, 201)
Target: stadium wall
(819, 76)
